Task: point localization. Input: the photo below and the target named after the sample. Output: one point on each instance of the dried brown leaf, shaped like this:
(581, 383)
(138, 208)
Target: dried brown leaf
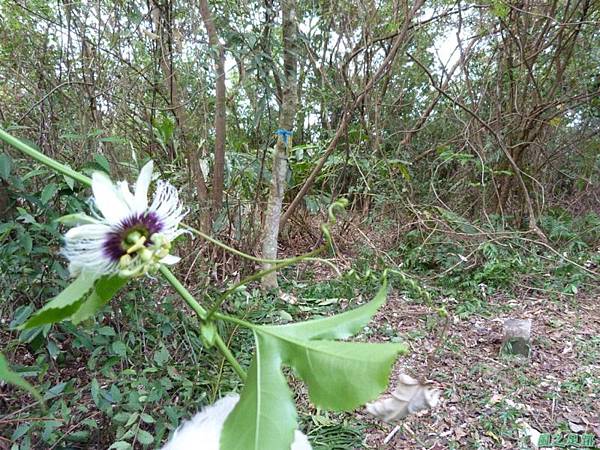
(409, 397)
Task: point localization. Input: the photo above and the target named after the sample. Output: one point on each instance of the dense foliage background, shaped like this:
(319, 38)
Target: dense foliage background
(464, 134)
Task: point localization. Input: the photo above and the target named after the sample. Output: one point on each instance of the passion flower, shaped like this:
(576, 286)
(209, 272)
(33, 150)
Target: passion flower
(127, 236)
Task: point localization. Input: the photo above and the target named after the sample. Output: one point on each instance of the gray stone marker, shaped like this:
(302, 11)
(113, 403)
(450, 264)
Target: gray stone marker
(517, 337)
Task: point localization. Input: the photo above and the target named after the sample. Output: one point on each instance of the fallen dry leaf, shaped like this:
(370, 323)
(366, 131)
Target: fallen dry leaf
(409, 397)
(530, 432)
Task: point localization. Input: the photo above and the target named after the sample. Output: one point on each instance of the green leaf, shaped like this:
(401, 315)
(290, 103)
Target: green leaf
(119, 348)
(5, 166)
(343, 375)
(26, 242)
(65, 304)
(20, 431)
(95, 391)
(82, 436)
(55, 391)
(106, 331)
(147, 418)
(83, 298)
(70, 182)
(114, 140)
(115, 394)
(121, 417)
(102, 162)
(48, 192)
(21, 315)
(265, 417)
(339, 375)
(339, 326)
(132, 419)
(120, 445)
(25, 217)
(161, 356)
(104, 290)
(10, 377)
(144, 438)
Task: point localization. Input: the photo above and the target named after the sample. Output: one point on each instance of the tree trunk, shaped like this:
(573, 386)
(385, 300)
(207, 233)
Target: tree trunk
(218, 52)
(287, 115)
(163, 25)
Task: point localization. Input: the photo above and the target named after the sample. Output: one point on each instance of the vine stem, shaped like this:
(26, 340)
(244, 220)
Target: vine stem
(183, 292)
(241, 254)
(87, 181)
(260, 274)
(222, 346)
(40, 157)
(202, 314)
(168, 275)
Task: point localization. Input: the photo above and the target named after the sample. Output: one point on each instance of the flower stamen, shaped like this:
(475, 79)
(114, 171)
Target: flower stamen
(138, 244)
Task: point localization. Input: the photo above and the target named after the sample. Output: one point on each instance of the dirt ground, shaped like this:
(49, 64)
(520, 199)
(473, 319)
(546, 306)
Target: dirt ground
(489, 399)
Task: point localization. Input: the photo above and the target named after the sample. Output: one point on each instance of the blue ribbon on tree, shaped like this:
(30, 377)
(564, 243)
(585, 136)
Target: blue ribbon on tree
(285, 134)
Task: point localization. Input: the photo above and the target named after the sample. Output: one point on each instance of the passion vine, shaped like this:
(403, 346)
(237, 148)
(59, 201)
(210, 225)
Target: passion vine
(127, 236)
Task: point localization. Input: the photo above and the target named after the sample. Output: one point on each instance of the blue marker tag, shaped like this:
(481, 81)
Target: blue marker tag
(284, 135)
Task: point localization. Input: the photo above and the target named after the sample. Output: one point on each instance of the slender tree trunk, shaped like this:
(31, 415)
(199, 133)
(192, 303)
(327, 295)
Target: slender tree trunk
(163, 27)
(218, 51)
(287, 115)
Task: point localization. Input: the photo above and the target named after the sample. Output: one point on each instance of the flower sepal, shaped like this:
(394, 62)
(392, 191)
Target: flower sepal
(72, 220)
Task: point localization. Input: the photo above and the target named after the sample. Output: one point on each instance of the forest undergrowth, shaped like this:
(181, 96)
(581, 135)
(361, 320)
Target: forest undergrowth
(132, 374)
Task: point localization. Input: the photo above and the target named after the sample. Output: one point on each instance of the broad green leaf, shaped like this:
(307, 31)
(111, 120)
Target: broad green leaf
(10, 377)
(342, 375)
(147, 418)
(120, 445)
(26, 242)
(65, 304)
(48, 192)
(5, 166)
(82, 436)
(121, 417)
(55, 391)
(95, 391)
(339, 375)
(70, 181)
(102, 162)
(104, 290)
(22, 313)
(144, 438)
(265, 417)
(161, 356)
(119, 348)
(132, 419)
(83, 298)
(24, 216)
(20, 431)
(339, 326)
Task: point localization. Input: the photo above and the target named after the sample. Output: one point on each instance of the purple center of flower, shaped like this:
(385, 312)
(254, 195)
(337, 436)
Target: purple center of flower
(146, 224)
